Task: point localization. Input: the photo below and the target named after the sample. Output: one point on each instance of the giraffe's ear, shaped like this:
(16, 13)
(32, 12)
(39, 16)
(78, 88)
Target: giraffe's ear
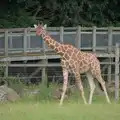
(45, 26)
(35, 26)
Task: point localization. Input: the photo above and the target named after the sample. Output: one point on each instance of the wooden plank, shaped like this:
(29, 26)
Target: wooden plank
(6, 70)
(37, 49)
(117, 72)
(104, 48)
(25, 41)
(35, 65)
(101, 33)
(109, 39)
(109, 72)
(40, 57)
(12, 29)
(57, 28)
(61, 34)
(11, 42)
(94, 38)
(115, 32)
(44, 46)
(6, 43)
(50, 64)
(30, 58)
(116, 28)
(16, 34)
(85, 32)
(57, 33)
(70, 33)
(78, 40)
(29, 41)
(65, 32)
(44, 73)
(43, 76)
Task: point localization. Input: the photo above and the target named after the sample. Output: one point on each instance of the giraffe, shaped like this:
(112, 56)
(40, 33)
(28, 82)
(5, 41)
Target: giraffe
(75, 61)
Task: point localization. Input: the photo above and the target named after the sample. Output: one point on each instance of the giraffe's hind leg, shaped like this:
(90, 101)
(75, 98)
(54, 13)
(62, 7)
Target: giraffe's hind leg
(102, 82)
(96, 72)
(92, 86)
(80, 86)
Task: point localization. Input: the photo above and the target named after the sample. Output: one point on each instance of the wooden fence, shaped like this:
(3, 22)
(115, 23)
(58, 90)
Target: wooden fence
(25, 40)
(23, 44)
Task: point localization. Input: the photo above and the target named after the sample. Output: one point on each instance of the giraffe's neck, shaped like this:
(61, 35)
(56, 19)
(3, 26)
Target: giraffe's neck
(50, 41)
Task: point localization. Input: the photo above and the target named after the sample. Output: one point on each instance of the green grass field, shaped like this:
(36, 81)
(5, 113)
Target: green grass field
(52, 111)
(43, 107)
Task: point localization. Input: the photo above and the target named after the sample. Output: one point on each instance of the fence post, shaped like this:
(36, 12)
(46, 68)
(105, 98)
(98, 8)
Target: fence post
(109, 39)
(109, 76)
(29, 42)
(11, 42)
(61, 34)
(6, 43)
(6, 69)
(25, 41)
(78, 40)
(94, 38)
(117, 52)
(44, 74)
(109, 73)
(6, 53)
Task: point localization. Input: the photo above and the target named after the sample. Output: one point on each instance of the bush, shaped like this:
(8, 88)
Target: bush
(45, 93)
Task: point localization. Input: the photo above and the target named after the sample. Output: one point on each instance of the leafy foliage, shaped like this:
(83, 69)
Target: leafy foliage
(24, 13)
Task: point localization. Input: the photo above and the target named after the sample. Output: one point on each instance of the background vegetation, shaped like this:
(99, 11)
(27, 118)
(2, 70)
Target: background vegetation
(24, 13)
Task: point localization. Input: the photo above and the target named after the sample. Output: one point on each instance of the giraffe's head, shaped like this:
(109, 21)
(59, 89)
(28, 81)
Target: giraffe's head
(40, 29)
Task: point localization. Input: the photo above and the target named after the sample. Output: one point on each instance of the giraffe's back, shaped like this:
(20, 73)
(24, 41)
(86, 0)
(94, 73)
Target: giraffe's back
(74, 59)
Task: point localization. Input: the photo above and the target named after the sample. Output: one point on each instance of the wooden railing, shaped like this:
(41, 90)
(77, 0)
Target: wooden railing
(24, 40)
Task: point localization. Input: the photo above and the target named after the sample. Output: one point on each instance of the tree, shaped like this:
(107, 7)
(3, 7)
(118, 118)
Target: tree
(13, 14)
(24, 13)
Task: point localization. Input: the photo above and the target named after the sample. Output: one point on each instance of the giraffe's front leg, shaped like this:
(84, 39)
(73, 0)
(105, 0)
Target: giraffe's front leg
(65, 82)
(92, 86)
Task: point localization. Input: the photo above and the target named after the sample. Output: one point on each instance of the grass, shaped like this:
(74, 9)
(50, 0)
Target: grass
(50, 110)
(43, 107)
